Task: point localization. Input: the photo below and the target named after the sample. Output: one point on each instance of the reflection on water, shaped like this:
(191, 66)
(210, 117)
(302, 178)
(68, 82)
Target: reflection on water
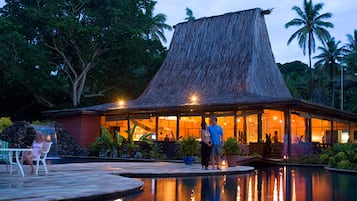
(266, 184)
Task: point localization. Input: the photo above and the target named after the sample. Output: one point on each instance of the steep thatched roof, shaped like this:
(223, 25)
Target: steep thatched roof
(226, 61)
(221, 59)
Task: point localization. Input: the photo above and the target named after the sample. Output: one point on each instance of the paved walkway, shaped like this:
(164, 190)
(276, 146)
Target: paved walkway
(94, 181)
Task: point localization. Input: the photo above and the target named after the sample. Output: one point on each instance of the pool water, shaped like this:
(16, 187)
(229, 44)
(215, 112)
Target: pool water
(282, 183)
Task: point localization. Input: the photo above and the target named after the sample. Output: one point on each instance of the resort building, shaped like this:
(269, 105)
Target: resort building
(223, 66)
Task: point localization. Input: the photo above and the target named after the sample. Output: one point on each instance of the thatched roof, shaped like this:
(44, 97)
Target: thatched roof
(221, 59)
(226, 61)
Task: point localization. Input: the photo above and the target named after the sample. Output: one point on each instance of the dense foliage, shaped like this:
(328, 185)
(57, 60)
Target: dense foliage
(60, 54)
(342, 156)
(231, 147)
(189, 146)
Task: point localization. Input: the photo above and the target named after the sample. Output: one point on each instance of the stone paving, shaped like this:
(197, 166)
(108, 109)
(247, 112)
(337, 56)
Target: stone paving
(94, 181)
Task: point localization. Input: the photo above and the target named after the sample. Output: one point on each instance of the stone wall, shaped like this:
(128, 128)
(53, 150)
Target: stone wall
(22, 134)
(19, 134)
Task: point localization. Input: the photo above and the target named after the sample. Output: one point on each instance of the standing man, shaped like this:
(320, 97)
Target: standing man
(216, 133)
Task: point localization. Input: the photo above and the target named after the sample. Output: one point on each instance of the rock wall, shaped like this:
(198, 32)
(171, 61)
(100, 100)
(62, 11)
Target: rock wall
(19, 134)
(22, 134)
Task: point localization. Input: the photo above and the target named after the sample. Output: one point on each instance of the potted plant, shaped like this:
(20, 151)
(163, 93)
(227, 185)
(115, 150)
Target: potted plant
(231, 150)
(189, 148)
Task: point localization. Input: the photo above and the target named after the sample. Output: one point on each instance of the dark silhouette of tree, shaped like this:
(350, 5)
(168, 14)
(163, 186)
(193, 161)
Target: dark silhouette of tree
(189, 15)
(330, 57)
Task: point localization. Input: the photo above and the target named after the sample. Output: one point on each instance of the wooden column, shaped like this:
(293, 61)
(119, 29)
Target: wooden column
(235, 125)
(245, 129)
(332, 131)
(287, 132)
(177, 127)
(157, 127)
(260, 127)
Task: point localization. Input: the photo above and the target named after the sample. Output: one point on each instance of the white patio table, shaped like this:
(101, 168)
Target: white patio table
(18, 152)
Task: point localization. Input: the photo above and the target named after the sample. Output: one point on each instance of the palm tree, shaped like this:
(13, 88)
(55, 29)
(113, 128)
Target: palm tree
(157, 25)
(351, 52)
(352, 41)
(331, 54)
(189, 15)
(312, 24)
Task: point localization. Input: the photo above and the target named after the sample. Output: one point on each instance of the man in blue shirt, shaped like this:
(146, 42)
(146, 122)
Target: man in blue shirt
(216, 133)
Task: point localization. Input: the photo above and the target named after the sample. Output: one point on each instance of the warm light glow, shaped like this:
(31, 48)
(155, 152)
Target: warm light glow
(275, 117)
(121, 103)
(238, 120)
(223, 162)
(48, 138)
(194, 98)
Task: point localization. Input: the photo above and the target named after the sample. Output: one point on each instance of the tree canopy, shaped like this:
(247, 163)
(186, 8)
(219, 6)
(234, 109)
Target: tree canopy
(75, 53)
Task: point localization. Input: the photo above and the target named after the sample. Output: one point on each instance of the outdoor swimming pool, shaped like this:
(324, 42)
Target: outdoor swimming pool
(281, 183)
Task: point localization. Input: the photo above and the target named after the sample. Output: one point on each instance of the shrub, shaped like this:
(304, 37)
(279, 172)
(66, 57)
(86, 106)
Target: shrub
(5, 122)
(189, 146)
(324, 159)
(231, 147)
(345, 164)
(340, 156)
(332, 162)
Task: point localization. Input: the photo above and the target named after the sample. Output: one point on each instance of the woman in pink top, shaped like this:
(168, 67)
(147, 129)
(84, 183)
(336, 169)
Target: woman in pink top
(37, 148)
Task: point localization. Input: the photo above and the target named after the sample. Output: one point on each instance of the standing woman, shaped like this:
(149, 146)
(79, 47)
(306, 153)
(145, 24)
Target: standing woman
(206, 144)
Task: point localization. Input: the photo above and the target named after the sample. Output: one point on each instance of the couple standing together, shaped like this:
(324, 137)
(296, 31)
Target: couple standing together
(211, 136)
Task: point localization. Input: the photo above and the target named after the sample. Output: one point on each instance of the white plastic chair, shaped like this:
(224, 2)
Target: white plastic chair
(42, 158)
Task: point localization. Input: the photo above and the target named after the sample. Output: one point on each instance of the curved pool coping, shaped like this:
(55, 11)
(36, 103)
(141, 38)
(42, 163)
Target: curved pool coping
(341, 170)
(96, 181)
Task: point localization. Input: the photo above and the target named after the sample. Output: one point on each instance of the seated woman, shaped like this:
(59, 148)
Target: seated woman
(37, 147)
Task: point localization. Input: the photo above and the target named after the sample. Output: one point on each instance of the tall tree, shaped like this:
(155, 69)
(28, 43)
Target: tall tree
(330, 56)
(157, 24)
(80, 35)
(26, 82)
(189, 15)
(351, 52)
(311, 23)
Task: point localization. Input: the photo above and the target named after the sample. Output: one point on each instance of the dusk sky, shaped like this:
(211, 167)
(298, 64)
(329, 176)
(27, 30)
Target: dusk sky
(344, 18)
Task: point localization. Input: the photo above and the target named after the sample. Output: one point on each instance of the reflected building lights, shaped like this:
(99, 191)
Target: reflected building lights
(238, 190)
(293, 186)
(281, 187)
(250, 190)
(275, 191)
(256, 187)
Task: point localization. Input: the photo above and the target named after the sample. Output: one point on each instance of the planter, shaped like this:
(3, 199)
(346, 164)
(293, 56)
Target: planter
(232, 160)
(189, 160)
